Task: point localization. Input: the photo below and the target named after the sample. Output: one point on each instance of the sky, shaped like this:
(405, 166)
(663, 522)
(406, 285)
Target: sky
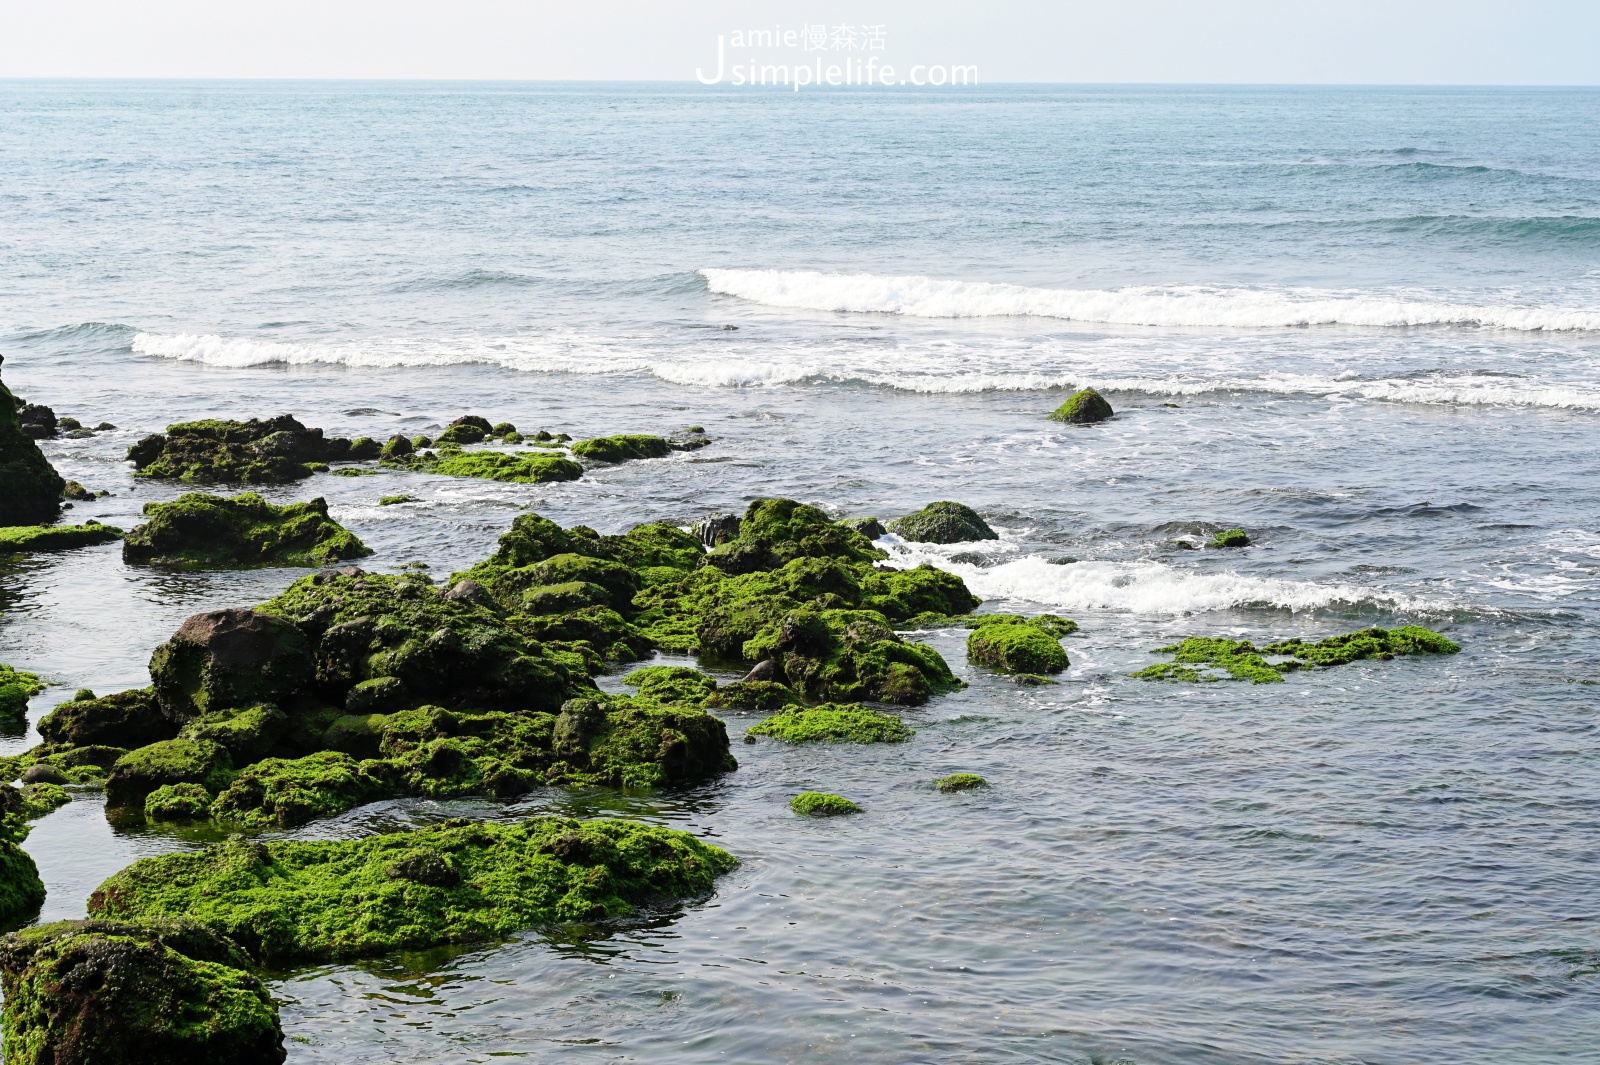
(1477, 42)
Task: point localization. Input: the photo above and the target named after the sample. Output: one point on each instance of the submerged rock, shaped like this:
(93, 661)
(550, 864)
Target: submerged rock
(260, 451)
(638, 446)
(943, 523)
(30, 489)
(292, 901)
(1228, 659)
(833, 723)
(166, 991)
(1011, 643)
(1231, 538)
(200, 531)
(960, 782)
(26, 538)
(822, 804)
(1083, 408)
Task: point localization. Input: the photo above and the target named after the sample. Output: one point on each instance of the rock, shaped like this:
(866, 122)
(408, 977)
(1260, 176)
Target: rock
(177, 802)
(761, 696)
(397, 447)
(1241, 660)
(943, 523)
(960, 782)
(272, 451)
(519, 468)
(21, 890)
(138, 773)
(127, 719)
(871, 528)
(1013, 644)
(288, 901)
(562, 598)
(204, 531)
(229, 658)
(622, 448)
(168, 991)
(247, 734)
(469, 429)
(765, 670)
(30, 489)
(1083, 408)
(16, 688)
(389, 501)
(38, 422)
(467, 590)
(822, 804)
(43, 773)
(1230, 538)
(28, 538)
(75, 491)
(718, 529)
(691, 439)
(833, 723)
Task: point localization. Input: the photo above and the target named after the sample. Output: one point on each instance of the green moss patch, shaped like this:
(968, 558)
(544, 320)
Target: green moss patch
(1231, 538)
(1082, 408)
(833, 723)
(202, 531)
(16, 688)
(107, 991)
(1010, 643)
(291, 901)
(1204, 658)
(26, 538)
(822, 804)
(518, 468)
(943, 523)
(260, 451)
(960, 782)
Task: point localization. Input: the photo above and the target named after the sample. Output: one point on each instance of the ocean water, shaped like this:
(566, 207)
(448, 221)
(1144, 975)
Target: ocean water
(1363, 324)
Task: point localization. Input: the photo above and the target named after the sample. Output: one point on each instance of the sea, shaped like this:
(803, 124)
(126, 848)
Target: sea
(1362, 324)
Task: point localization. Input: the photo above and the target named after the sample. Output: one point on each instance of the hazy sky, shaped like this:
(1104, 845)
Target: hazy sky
(1371, 41)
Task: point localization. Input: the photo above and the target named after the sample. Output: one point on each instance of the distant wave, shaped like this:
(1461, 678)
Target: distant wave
(1235, 308)
(930, 370)
(470, 279)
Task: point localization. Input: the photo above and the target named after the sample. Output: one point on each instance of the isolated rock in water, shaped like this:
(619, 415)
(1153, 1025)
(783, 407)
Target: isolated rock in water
(830, 723)
(28, 538)
(271, 451)
(16, 688)
(39, 422)
(229, 658)
(30, 489)
(960, 782)
(127, 719)
(76, 492)
(1231, 538)
(1229, 659)
(169, 991)
(943, 523)
(622, 448)
(286, 901)
(822, 804)
(199, 530)
(1082, 408)
(1010, 643)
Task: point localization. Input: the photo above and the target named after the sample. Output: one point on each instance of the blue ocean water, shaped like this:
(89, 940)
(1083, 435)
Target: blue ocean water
(1362, 323)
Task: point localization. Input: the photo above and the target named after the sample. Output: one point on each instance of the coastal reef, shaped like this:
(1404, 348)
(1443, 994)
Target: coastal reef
(260, 451)
(21, 539)
(1207, 658)
(822, 804)
(1083, 408)
(198, 531)
(943, 522)
(118, 993)
(639, 446)
(457, 882)
(30, 488)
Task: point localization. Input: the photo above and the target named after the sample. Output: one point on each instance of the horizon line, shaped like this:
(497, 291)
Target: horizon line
(367, 80)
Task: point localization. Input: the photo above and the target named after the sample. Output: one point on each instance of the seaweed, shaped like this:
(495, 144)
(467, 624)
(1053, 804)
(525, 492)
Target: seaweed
(833, 723)
(822, 804)
(1242, 660)
(201, 531)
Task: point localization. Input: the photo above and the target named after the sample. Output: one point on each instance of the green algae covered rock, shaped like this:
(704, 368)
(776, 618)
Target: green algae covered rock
(139, 772)
(943, 522)
(30, 488)
(16, 688)
(127, 719)
(822, 804)
(21, 539)
(520, 468)
(622, 448)
(177, 802)
(1231, 538)
(21, 890)
(833, 723)
(272, 451)
(230, 658)
(1203, 658)
(1083, 408)
(200, 531)
(960, 782)
(293, 901)
(119, 993)
(1010, 643)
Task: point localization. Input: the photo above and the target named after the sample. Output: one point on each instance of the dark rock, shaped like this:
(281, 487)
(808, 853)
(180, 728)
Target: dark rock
(127, 719)
(229, 658)
(30, 490)
(272, 451)
(39, 422)
(43, 773)
(871, 528)
(718, 529)
(204, 531)
(467, 590)
(943, 523)
(765, 670)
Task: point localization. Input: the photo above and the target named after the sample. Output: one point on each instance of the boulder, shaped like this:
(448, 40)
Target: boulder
(1083, 408)
(127, 719)
(30, 489)
(943, 522)
(201, 531)
(229, 658)
(260, 451)
(138, 773)
(622, 448)
(1013, 644)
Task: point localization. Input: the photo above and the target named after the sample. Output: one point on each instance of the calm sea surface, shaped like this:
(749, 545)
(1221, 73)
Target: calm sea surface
(1362, 324)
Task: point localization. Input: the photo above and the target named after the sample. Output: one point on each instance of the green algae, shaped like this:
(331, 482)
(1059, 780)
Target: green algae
(41, 798)
(139, 772)
(822, 804)
(16, 688)
(1082, 408)
(200, 531)
(960, 782)
(833, 723)
(1231, 538)
(21, 890)
(1010, 643)
(271, 451)
(622, 448)
(293, 901)
(119, 992)
(1242, 660)
(177, 802)
(389, 501)
(27, 538)
(518, 468)
(30, 488)
(943, 522)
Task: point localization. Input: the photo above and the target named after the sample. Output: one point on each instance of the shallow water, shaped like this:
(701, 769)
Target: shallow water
(1390, 861)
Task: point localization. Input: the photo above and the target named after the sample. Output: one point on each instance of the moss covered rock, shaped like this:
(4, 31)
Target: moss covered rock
(139, 772)
(622, 448)
(119, 993)
(943, 522)
(833, 723)
(178, 802)
(16, 688)
(519, 468)
(260, 451)
(30, 488)
(1083, 408)
(1207, 658)
(230, 658)
(26, 538)
(822, 804)
(199, 530)
(289, 901)
(960, 782)
(127, 719)
(1231, 538)
(21, 890)
(1013, 644)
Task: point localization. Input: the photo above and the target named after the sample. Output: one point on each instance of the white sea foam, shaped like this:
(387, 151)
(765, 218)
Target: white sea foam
(1236, 308)
(1144, 587)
